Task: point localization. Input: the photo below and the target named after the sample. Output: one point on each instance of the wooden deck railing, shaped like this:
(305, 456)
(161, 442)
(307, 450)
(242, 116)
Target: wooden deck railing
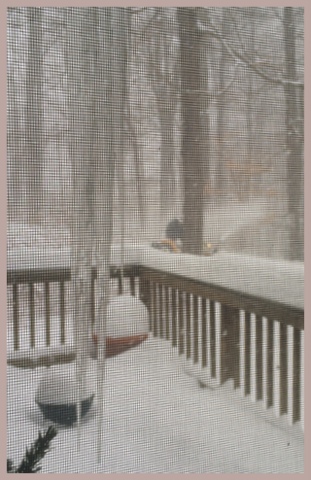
(35, 297)
(257, 344)
(222, 333)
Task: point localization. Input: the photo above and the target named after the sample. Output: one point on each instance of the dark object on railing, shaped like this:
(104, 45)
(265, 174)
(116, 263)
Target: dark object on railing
(171, 246)
(167, 245)
(210, 249)
(175, 230)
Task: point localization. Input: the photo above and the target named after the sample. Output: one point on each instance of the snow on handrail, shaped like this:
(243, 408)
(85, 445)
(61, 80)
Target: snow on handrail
(278, 281)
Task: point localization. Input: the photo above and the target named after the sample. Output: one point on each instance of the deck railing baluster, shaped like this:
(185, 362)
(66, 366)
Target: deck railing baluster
(174, 317)
(62, 313)
(195, 332)
(161, 311)
(259, 359)
(283, 369)
(155, 309)
(47, 314)
(167, 312)
(32, 324)
(204, 332)
(247, 349)
(188, 326)
(269, 363)
(213, 338)
(296, 374)
(181, 333)
(16, 324)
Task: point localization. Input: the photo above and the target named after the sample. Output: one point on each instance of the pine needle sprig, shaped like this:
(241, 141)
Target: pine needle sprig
(9, 466)
(34, 455)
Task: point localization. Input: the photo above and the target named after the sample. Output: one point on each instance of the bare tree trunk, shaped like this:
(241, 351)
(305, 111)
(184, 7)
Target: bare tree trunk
(15, 152)
(294, 140)
(168, 180)
(221, 105)
(132, 133)
(193, 167)
(138, 165)
(34, 117)
(249, 112)
(162, 60)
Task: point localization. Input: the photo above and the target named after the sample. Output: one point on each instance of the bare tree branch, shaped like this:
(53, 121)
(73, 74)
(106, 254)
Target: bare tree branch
(215, 93)
(136, 10)
(254, 65)
(154, 16)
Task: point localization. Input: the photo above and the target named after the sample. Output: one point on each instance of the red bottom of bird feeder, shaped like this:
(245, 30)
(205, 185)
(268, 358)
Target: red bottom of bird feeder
(117, 345)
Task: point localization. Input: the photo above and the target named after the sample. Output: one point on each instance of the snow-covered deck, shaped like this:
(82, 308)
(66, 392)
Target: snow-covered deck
(157, 420)
(157, 417)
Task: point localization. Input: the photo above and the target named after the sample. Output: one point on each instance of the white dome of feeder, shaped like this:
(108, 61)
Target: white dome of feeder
(126, 317)
(127, 326)
(57, 396)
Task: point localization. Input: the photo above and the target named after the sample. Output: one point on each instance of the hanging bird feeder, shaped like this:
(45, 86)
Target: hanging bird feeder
(127, 325)
(58, 399)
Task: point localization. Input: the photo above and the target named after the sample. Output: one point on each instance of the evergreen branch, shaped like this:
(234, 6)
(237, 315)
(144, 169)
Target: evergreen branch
(34, 455)
(9, 466)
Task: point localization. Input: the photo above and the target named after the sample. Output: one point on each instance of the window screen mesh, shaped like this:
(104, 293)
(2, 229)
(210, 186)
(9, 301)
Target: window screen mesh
(156, 154)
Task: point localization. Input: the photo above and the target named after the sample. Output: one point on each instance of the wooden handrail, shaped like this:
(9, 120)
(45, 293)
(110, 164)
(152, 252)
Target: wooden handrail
(58, 274)
(285, 314)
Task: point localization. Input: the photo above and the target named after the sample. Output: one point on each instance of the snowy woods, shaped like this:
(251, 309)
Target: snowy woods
(211, 129)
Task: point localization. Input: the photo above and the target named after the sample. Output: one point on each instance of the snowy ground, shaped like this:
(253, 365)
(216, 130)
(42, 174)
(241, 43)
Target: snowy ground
(157, 420)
